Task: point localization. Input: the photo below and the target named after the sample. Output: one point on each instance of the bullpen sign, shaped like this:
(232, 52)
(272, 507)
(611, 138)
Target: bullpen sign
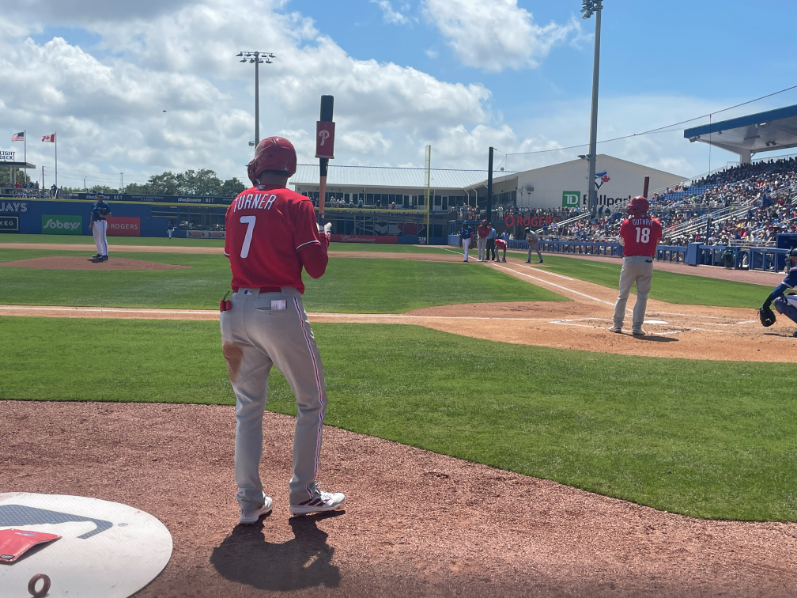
(62, 224)
(124, 226)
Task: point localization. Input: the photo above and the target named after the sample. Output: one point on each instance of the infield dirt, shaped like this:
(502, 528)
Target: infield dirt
(415, 523)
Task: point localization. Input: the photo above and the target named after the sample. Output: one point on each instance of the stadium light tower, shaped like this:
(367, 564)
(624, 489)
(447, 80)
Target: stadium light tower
(255, 58)
(593, 7)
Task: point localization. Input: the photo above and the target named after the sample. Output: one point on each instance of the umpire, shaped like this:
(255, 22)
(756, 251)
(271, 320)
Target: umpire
(99, 227)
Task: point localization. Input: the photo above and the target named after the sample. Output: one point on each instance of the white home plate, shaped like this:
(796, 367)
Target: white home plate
(660, 322)
(106, 550)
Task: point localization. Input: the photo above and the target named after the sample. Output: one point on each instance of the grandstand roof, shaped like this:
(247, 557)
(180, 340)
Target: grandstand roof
(373, 176)
(755, 133)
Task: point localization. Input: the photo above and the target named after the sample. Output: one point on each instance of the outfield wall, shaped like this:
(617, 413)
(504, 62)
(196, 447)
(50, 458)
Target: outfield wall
(152, 219)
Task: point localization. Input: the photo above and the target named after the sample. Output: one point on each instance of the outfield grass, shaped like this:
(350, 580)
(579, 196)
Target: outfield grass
(88, 239)
(706, 439)
(350, 285)
(179, 242)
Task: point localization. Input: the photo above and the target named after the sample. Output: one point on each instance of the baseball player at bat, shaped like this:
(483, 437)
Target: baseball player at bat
(271, 235)
(639, 235)
(785, 304)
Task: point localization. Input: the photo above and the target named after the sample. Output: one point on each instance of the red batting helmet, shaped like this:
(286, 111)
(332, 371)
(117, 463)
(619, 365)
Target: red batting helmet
(638, 205)
(273, 153)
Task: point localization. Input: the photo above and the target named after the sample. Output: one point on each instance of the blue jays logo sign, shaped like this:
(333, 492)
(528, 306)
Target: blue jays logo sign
(600, 178)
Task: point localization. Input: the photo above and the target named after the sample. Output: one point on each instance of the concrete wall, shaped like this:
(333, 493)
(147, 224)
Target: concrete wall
(626, 180)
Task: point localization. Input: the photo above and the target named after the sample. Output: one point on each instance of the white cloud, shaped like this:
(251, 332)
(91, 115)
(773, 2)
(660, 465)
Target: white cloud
(496, 35)
(391, 16)
(431, 53)
(107, 101)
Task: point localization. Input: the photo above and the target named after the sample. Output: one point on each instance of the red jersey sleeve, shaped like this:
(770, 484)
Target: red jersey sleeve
(311, 247)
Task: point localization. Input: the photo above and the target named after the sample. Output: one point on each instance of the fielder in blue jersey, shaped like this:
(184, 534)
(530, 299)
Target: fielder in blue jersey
(466, 234)
(786, 304)
(99, 227)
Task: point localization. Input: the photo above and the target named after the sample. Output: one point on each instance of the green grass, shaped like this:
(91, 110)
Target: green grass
(706, 439)
(88, 239)
(683, 289)
(351, 285)
(177, 242)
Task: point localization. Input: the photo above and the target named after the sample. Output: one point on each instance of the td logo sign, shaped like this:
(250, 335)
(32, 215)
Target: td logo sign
(62, 225)
(571, 199)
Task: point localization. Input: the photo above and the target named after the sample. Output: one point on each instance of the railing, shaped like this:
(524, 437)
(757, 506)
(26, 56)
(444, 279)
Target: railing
(573, 247)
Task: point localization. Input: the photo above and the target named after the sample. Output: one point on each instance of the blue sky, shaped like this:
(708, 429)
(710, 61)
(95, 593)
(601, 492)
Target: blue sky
(460, 75)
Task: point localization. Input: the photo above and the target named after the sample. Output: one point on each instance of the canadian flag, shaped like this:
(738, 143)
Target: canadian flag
(50, 138)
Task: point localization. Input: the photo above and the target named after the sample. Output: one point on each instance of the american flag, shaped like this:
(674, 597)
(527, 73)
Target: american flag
(50, 138)
(18, 136)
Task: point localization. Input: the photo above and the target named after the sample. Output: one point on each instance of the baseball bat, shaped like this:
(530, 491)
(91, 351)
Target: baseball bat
(645, 191)
(327, 108)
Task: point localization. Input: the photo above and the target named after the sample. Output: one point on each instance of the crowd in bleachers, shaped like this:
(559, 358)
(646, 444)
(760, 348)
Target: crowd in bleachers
(745, 204)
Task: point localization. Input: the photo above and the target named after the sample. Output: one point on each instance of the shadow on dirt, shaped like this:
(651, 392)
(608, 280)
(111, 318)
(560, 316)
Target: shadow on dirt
(304, 562)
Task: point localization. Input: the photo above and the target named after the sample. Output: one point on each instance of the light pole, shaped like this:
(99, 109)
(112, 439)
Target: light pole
(593, 7)
(255, 57)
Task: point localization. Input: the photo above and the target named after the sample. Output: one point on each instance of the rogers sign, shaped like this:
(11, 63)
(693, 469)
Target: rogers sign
(123, 226)
(512, 220)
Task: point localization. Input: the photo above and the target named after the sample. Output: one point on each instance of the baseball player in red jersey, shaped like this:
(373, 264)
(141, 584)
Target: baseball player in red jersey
(271, 235)
(639, 236)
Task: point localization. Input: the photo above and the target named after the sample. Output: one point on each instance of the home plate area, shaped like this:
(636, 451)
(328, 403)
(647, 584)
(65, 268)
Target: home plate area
(666, 324)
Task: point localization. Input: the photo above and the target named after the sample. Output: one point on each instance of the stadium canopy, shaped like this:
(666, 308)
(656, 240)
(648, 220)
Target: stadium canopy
(377, 176)
(747, 135)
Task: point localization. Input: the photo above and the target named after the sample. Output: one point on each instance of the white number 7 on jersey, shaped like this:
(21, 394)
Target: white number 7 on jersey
(249, 221)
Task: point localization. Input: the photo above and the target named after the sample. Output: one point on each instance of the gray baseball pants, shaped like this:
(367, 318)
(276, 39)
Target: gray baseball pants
(534, 247)
(482, 246)
(639, 270)
(264, 330)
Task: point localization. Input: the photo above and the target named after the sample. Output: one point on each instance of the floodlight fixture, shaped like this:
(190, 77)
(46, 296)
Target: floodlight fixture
(255, 58)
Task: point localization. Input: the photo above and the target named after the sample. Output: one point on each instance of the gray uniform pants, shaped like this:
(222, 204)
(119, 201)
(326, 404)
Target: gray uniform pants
(482, 245)
(257, 334)
(639, 270)
(534, 247)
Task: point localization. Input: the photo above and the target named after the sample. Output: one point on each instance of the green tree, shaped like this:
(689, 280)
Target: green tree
(167, 183)
(5, 176)
(202, 182)
(231, 187)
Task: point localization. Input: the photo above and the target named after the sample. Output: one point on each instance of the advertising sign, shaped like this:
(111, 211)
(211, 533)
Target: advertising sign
(62, 224)
(9, 224)
(324, 139)
(124, 226)
(205, 234)
(387, 239)
(533, 221)
(6, 156)
(571, 199)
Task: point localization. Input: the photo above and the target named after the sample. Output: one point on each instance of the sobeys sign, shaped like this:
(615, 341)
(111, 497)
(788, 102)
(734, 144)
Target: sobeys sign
(571, 199)
(62, 225)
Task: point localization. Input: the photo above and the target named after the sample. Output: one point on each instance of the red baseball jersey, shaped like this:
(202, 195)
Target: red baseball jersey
(500, 243)
(640, 234)
(266, 228)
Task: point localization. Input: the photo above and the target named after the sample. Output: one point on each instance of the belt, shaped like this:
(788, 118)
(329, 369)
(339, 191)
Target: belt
(262, 289)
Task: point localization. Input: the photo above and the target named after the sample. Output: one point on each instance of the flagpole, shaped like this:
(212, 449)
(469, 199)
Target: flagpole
(25, 136)
(56, 162)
